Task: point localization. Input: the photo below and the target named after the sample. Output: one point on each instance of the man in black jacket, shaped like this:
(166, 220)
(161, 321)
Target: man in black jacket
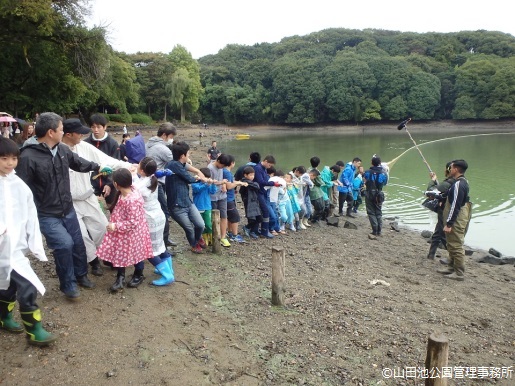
(108, 145)
(44, 167)
(456, 217)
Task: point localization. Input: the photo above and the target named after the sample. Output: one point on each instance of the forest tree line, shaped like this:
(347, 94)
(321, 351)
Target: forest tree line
(53, 62)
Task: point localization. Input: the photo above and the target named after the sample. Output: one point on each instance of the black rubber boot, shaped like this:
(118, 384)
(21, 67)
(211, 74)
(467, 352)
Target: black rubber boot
(120, 281)
(136, 279)
(349, 212)
(96, 269)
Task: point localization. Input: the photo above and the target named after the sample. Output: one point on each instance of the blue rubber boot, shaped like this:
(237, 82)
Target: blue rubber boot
(167, 276)
(264, 231)
(168, 259)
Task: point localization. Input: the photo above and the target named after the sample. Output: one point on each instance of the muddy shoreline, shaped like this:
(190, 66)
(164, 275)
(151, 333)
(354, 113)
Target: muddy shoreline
(216, 326)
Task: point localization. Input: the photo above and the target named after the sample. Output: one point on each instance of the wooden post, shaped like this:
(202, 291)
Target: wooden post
(436, 359)
(278, 254)
(215, 222)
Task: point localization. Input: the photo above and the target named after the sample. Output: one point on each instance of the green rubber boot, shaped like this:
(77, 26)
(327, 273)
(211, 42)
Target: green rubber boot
(36, 334)
(6, 318)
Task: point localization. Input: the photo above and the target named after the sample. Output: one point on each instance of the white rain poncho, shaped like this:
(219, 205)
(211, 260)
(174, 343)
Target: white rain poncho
(19, 232)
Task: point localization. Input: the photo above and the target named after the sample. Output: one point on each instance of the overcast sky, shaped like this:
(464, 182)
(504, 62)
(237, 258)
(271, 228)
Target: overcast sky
(204, 27)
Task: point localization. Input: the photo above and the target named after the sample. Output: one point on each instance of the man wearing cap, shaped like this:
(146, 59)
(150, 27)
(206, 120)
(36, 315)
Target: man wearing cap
(456, 217)
(44, 168)
(92, 220)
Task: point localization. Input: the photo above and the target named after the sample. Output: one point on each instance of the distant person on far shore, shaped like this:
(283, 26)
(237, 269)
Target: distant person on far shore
(213, 152)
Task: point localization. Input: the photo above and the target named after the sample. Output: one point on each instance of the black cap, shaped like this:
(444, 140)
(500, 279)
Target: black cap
(462, 164)
(74, 125)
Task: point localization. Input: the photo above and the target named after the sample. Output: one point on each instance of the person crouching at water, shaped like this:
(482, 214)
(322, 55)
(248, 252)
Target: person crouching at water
(127, 241)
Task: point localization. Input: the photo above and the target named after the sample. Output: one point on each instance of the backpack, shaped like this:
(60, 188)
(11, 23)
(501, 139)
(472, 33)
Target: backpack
(376, 195)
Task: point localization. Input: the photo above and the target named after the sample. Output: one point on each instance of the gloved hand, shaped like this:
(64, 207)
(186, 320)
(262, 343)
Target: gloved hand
(277, 184)
(163, 173)
(105, 171)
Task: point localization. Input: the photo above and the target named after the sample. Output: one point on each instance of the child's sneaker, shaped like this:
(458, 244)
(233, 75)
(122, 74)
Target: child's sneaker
(225, 243)
(238, 239)
(252, 235)
(197, 249)
(202, 243)
(246, 231)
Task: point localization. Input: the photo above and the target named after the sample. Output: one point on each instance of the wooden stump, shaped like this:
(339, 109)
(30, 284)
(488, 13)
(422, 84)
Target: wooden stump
(215, 222)
(278, 255)
(436, 359)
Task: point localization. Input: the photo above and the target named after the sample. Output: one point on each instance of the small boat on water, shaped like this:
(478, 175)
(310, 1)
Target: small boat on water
(242, 136)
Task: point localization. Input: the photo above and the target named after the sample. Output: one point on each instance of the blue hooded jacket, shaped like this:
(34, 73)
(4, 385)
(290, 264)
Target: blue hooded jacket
(346, 178)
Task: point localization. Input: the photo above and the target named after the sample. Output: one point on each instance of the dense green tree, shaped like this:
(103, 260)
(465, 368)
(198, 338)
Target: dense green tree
(298, 91)
(489, 82)
(55, 62)
(349, 83)
(423, 96)
(177, 90)
(153, 74)
(464, 108)
(187, 88)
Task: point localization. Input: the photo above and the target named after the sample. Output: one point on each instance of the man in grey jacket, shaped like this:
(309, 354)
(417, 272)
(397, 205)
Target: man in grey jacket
(157, 148)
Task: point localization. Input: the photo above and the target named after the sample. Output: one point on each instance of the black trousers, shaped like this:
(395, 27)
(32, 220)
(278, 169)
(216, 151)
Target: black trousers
(344, 197)
(23, 291)
(438, 235)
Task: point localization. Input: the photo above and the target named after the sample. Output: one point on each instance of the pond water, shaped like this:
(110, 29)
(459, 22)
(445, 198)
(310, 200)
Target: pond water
(490, 173)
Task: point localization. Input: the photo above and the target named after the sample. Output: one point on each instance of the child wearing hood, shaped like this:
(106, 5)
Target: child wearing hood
(19, 234)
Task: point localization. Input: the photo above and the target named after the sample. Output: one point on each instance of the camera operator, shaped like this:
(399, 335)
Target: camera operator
(442, 187)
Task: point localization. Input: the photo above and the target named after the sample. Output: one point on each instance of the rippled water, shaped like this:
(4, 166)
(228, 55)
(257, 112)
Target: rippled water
(490, 173)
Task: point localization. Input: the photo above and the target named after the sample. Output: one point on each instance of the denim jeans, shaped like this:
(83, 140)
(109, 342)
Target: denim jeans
(309, 209)
(161, 197)
(191, 221)
(274, 221)
(63, 235)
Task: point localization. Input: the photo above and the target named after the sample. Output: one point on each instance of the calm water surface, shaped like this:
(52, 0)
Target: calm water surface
(490, 173)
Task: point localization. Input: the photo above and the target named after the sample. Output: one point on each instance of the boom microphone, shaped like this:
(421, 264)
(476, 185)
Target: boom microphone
(403, 124)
